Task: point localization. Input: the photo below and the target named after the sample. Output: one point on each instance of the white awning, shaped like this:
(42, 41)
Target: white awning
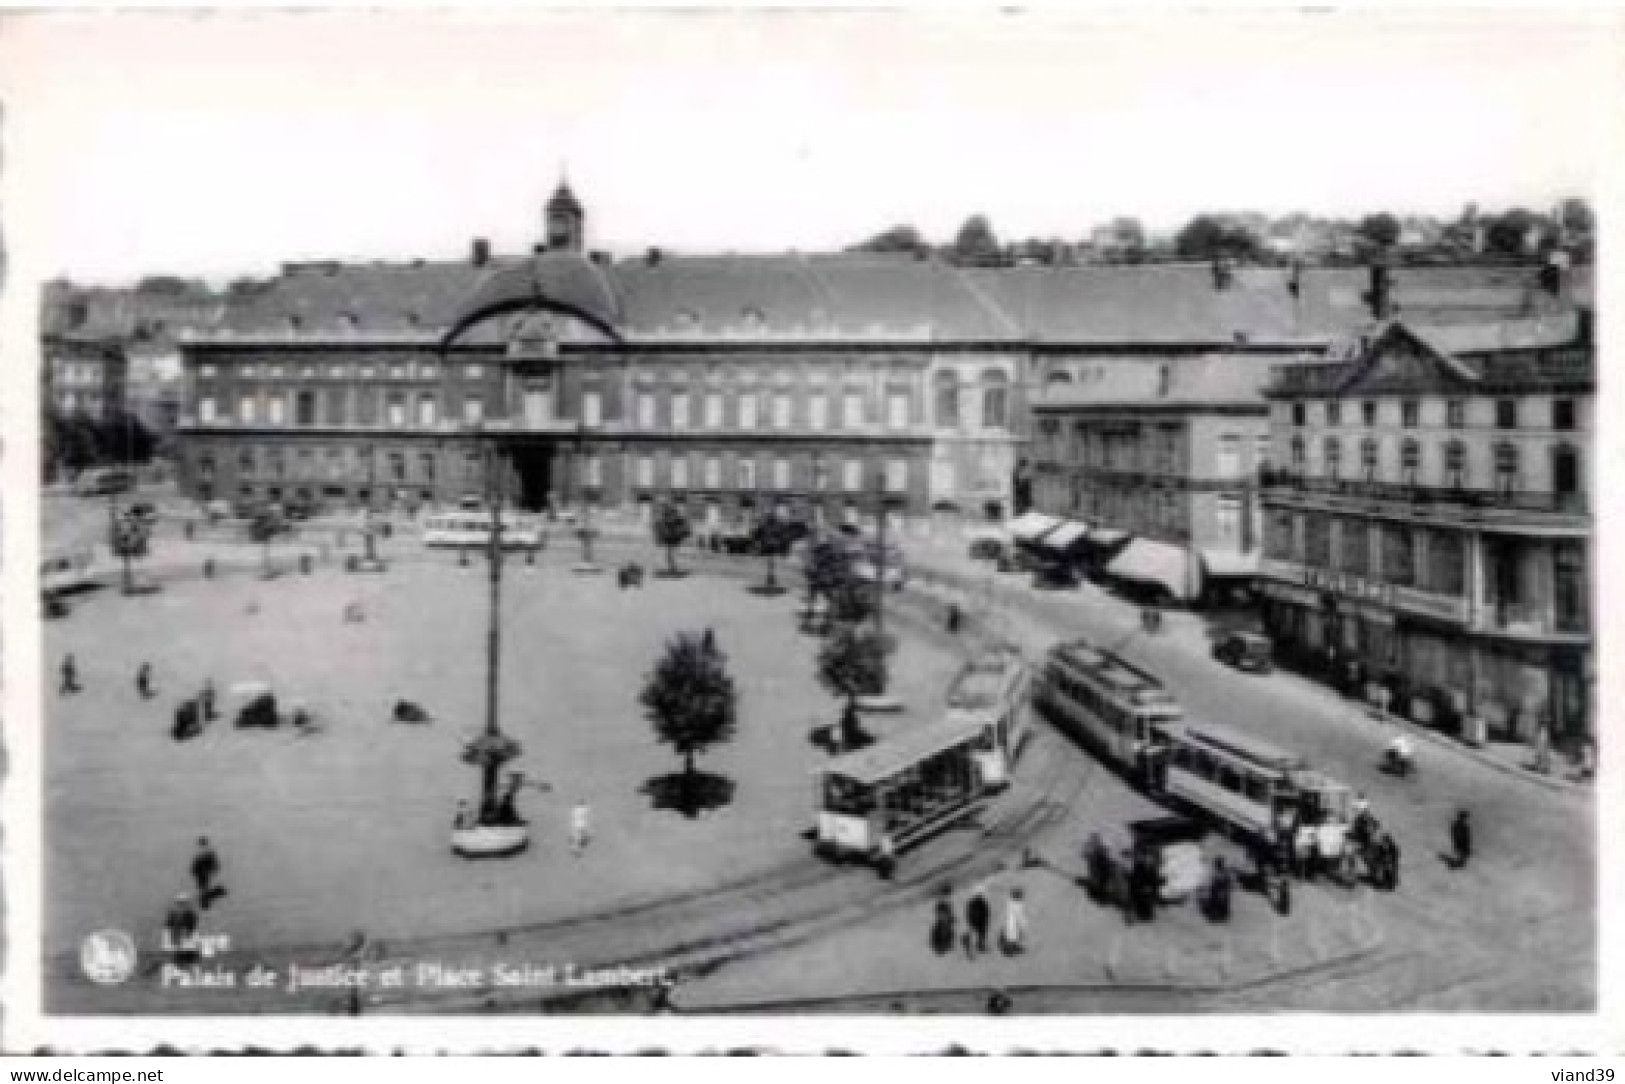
(1158, 563)
(1025, 528)
(1229, 563)
(1063, 536)
(1106, 536)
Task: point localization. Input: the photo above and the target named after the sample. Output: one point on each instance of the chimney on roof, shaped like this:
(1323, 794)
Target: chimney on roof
(1224, 273)
(1380, 296)
(600, 257)
(1294, 281)
(538, 249)
(480, 255)
(653, 257)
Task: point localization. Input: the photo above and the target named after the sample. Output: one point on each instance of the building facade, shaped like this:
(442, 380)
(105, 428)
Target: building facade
(1427, 521)
(833, 385)
(1166, 450)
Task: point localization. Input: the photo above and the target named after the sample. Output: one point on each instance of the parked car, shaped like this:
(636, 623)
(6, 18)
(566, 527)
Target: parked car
(1245, 651)
(142, 512)
(987, 547)
(101, 481)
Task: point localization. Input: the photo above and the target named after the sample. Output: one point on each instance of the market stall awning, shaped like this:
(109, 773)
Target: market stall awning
(1228, 563)
(1157, 563)
(1063, 536)
(1106, 536)
(1027, 527)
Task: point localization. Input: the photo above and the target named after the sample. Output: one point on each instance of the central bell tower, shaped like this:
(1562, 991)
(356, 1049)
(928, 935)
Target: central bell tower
(566, 222)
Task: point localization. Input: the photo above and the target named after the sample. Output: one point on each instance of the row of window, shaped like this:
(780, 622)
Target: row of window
(400, 370)
(345, 463)
(715, 472)
(1507, 414)
(1160, 450)
(334, 464)
(400, 409)
(1454, 464)
(1429, 558)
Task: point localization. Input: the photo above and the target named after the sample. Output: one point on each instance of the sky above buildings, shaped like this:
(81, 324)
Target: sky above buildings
(212, 145)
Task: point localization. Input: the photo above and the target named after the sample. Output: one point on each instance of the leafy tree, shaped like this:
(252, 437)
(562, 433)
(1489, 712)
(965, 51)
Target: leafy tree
(1575, 215)
(830, 578)
(1380, 229)
(852, 663)
(976, 243)
(671, 529)
(1508, 233)
(263, 527)
(128, 541)
(904, 239)
(1208, 237)
(690, 698)
(773, 539)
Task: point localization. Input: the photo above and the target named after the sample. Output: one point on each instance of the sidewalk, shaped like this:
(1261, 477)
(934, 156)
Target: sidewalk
(956, 578)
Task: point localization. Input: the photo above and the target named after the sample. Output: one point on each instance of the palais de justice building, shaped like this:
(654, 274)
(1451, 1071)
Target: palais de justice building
(825, 384)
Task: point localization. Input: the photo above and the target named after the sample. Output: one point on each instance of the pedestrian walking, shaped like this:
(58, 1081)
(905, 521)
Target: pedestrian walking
(942, 926)
(978, 917)
(1097, 867)
(206, 874)
(1543, 748)
(1218, 891)
(463, 819)
(580, 828)
(954, 617)
(1390, 862)
(180, 929)
(206, 701)
(143, 681)
(1013, 935)
(1461, 838)
(70, 675)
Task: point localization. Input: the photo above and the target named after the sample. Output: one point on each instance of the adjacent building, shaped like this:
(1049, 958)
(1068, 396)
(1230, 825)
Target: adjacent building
(1160, 459)
(1427, 521)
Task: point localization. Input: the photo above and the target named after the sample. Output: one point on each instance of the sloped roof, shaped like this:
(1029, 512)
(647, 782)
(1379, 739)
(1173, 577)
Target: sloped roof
(889, 295)
(1529, 333)
(1217, 379)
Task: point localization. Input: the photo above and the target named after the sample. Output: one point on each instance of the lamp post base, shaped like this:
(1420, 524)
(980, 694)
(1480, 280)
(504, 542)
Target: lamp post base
(586, 568)
(490, 841)
(879, 704)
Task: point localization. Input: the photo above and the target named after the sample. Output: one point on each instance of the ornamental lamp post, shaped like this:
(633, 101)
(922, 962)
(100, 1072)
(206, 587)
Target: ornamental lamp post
(564, 283)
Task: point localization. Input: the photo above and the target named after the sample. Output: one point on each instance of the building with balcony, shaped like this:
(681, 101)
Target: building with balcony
(1427, 527)
(1159, 457)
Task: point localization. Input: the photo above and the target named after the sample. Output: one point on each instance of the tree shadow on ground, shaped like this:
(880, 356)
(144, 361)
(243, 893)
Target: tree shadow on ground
(690, 795)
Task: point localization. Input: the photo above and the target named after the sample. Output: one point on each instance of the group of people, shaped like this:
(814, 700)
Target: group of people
(945, 934)
(182, 919)
(1131, 879)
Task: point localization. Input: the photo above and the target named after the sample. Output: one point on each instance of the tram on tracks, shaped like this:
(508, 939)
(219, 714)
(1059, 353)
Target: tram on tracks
(1107, 703)
(874, 804)
(995, 688)
(467, 528)
(1255, 789)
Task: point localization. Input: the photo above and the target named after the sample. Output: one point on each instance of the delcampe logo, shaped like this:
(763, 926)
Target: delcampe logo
(107, 957)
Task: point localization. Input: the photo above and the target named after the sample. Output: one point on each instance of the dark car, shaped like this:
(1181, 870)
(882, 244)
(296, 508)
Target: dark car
(1245, 651)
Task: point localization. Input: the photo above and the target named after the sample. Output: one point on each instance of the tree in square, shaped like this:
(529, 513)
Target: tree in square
(690, 698)
(671, 529)
(852, 664)
(129, 540)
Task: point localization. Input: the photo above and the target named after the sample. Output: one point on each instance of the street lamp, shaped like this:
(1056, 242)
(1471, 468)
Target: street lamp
(493, 832)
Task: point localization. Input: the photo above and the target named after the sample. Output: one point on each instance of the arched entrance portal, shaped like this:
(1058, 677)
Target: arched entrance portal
(533, 472)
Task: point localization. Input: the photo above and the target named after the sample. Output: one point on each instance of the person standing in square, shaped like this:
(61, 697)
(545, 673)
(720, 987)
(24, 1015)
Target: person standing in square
(206, 874)
(580, 828)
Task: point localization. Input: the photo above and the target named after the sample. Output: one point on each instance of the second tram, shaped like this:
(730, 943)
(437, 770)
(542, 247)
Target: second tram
(1118, 709)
